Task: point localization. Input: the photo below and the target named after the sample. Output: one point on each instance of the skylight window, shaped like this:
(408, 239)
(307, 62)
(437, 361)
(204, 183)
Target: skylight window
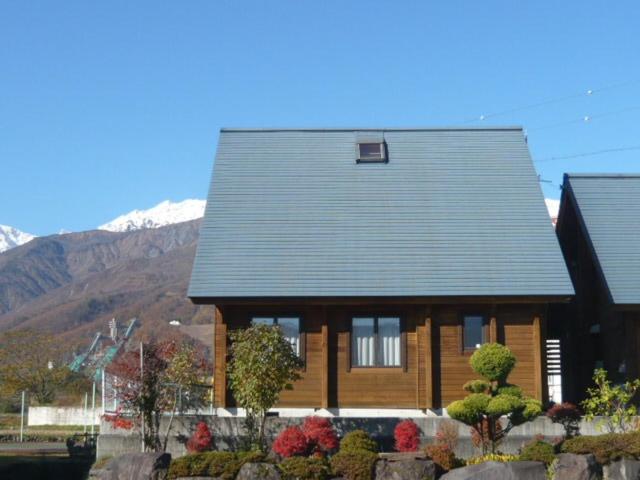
(372, 152)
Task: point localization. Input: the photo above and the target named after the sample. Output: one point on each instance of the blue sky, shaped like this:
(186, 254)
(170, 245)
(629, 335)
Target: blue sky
(110, 106)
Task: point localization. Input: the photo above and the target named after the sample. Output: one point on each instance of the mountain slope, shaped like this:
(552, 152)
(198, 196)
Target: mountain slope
(12, 237)
(73, 284)
(165, 213)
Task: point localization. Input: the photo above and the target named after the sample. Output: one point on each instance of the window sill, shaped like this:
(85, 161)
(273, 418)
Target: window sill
(366, 370)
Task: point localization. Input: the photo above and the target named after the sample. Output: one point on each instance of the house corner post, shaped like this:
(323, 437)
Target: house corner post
(324, 389)
(428, 356)
(539, 332)
(220, 361)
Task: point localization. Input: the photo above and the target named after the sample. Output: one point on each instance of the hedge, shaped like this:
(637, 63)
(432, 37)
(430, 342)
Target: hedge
(606, 448)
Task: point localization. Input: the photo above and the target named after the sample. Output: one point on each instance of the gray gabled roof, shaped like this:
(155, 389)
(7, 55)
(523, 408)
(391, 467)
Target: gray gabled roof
(455, 212)
(609, 207)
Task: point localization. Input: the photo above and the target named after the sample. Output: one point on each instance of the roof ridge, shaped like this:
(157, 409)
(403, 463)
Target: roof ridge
(369, 129)
(602, 175)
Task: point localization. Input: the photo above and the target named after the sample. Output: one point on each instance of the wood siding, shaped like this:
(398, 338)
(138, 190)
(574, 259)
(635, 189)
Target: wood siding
(435, 366)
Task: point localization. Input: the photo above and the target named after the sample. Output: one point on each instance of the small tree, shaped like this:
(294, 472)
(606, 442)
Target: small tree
(262, 364)
(169, 370)
(613, 403)
(493, 398)
(201, 440)
(32, 360)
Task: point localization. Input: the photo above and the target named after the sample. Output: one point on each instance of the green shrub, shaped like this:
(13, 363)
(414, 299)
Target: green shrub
(513, 390)
(614, 403)
(538, 451)
(223, 465)
(354, 464)
(493, 361)
(606, 448)
(180, 467)
(477, 386)
(303, 468)
(357, 441)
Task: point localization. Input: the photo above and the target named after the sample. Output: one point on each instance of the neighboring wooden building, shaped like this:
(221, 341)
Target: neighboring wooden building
(385, 255)
(599, 232)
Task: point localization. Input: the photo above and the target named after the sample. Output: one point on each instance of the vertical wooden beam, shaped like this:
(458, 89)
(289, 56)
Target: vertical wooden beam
(428, 357)
(220, 361)
(538, 361)
(324, 388)
(493, 329)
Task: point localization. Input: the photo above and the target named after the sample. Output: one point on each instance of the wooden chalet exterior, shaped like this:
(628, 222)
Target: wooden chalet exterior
(385, 255)
(599, 232)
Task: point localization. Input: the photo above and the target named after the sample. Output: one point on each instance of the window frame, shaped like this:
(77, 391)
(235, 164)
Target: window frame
(301, 331)
(484, 330)
(383, 152)
(376, 365)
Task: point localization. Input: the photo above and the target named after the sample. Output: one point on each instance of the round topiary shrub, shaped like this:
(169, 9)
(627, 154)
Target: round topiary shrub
(358, 441)
(303, 468)
(493, 361)
(321, 436)
(354, 465)
(538, 451)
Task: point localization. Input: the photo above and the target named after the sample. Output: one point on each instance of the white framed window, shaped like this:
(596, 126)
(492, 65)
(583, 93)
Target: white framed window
(290, 327)
(376, 342)
(372, 152)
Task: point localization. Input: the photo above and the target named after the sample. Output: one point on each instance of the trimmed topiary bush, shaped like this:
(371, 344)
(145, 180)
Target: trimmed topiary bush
(538, 451)
(407, 436)
(606, 448)
(291, 441)
(493, 361)
(303, 468)
(354, 464)
(358, 441)
(483, 409)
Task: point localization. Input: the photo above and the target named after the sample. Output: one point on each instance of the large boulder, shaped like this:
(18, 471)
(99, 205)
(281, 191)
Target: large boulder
(408, 468)
(135, 466)
(258, 471)
(499, 471)
(625, 469)
(577, 467)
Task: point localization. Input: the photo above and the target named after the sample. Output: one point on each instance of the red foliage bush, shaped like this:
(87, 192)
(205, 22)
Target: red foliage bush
(201, 439)
(442, 456)
(407, 436)
(291, 441)
(567, 415)
(320, 434)
(118, 422)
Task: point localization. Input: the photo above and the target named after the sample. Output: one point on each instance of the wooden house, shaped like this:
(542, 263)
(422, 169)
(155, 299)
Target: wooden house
(599, 232)
(387, 256)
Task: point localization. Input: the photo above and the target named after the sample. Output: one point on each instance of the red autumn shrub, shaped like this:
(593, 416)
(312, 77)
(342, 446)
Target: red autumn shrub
(201, 439)
(291, 441)
(407, 436)
(320, 434)
(118, 421)
(567, 415)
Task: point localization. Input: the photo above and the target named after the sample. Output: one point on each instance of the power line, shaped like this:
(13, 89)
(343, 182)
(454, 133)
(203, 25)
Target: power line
(584, 119)
(549, 101)
(589, 154)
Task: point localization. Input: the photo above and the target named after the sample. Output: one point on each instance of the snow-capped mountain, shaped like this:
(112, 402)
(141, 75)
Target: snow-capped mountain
(164, 213)
(12, 237)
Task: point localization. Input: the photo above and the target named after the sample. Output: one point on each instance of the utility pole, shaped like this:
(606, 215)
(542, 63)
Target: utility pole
(93, 408)
(86, 404)
(22, 418)
(142, 391)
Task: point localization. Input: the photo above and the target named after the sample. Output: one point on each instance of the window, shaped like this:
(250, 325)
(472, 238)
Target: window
(473, 332)
(375, 342)
(290, 327)
(371, 152)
